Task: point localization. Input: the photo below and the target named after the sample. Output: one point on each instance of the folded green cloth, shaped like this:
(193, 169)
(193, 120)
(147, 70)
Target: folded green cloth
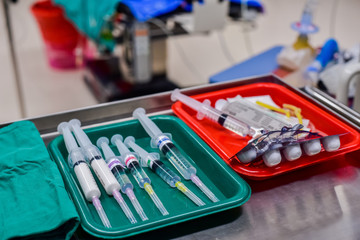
(33, 201)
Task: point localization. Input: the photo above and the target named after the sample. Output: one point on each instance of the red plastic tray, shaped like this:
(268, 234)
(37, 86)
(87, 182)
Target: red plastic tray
(227, 144)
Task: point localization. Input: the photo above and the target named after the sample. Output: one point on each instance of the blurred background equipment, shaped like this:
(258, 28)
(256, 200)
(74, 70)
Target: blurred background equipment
(295, 56)
(63, 43)
(183, 47)
(131, 42)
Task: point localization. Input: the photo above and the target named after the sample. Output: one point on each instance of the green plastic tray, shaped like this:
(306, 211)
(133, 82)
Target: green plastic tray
(221, 179)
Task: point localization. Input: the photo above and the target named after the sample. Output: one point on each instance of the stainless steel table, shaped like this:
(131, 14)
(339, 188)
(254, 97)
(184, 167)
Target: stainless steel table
(318, 202)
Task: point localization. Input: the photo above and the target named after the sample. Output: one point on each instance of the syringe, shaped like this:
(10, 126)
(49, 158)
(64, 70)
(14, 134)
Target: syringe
(167, 147)
(118, 170)
(205, 110)
(82, 171)
(152, 160)
(132, 163)
(107, 179)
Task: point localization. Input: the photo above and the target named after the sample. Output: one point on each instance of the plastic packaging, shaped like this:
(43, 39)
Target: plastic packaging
(252, 114)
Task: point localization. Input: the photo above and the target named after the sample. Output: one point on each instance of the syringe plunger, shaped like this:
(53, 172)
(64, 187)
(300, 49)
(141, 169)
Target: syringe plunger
(103, 143)
(64, 129)
(148, 125)
(117, 141)
(82, 138)
(205, 110)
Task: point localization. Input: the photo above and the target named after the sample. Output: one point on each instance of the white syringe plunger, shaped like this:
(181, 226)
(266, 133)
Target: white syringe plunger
(148, 125)
(204, 109)
(129, 143)
(200, 107)
(70, 143)
(177, 95)
(81, 137)
(103, 143)
(117, 140)
(89, 149)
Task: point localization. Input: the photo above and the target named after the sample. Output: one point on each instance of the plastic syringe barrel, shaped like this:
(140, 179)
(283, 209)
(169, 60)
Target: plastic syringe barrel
(90, 150)
(205, 110)
(76, 155)
(164, 143)
(148, 125)
(115, 165)
(131, 161)
(152, 160)
(93, 156)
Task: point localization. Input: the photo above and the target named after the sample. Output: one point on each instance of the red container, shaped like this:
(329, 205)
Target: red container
(227, 144)
(62, 41)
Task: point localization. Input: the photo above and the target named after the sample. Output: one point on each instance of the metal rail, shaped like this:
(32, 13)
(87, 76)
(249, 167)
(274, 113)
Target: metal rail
(333, 104)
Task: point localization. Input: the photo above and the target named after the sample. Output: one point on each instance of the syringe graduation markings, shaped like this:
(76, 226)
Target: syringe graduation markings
(132, 163)
(82, 171)
(152, 160)
(100, 168)
(118, 169)
(172, 153)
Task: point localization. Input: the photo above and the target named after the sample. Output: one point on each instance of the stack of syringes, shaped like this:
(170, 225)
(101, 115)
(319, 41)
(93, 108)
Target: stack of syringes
(82, 171)
(152, 160)
(87, 151)
(167, 147)
(112, 172)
